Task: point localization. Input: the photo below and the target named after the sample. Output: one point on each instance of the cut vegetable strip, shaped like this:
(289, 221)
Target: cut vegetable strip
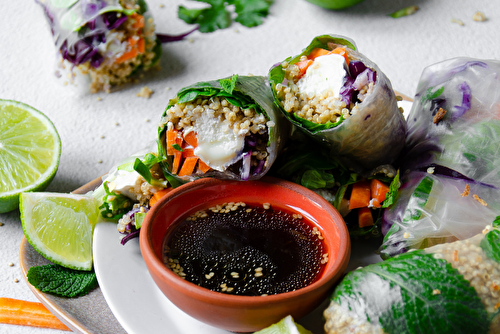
(25, 313)
(378, 190)
(188, 166)
(159, 194)
(360, 195)
(365, 217)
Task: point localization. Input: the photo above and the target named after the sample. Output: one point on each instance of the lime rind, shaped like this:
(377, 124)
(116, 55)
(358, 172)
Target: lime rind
(285, 326)
(30, 149)
(60, 227)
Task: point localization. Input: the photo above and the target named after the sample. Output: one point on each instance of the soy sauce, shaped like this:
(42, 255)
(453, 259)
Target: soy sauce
(246, 250)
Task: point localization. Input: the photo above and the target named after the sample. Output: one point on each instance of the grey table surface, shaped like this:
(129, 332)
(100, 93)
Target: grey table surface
(99, 130)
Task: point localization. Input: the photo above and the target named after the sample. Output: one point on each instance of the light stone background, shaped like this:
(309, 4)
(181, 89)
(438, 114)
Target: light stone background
(97, 131)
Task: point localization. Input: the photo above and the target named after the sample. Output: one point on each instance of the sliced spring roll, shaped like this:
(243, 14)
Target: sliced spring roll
(101, 43)
(342, 99)
(451, 160)
(448, 288)
(228, 128)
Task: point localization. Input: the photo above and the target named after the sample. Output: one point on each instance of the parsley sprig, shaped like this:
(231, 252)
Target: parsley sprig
(217, 16)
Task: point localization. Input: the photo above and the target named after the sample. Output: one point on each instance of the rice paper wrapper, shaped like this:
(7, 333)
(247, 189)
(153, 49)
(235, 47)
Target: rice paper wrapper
(86, 40)
(433, 209)
(254, 88)
(466, 138)
(372, 137)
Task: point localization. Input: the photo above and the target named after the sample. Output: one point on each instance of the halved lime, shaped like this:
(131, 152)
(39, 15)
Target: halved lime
(60, 226)
(284, 326)
(29, 152)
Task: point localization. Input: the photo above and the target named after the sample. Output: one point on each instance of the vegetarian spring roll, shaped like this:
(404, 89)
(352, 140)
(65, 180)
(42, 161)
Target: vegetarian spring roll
(228, 128)
(101, 43)
(451, 160)
(342, 99)
(448, 288)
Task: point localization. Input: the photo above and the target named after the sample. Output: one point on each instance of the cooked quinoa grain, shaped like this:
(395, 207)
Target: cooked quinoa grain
(243, 122)
(319, 108)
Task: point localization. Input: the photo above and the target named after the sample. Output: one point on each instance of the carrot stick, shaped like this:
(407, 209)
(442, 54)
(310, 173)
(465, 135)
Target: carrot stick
(378, 190)
(141, 46)
(138, 21)
(317, 52)
(188, 166)
(173, 138)
(303, 66)
(360, 195)
(157, 195)
(203, 167)
(187, 152)
(365, 217)
(25, 313)
(177, 161)
(127, 55)
(191, 139)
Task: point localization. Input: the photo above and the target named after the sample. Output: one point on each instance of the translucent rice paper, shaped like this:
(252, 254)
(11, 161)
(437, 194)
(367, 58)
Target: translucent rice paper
(436, 213)
(372, 137)
(256, 89)
(460, 149)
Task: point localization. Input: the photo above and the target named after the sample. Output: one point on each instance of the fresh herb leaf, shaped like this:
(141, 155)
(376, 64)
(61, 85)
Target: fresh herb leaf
(60, 281)
(404, 12)
(114, 205)
(421, 295)
(390, 197)
(138, 219)
(430, 95)
(491, 244)
(177, 147)
(228, 84)
(317, 179)
(248, 12)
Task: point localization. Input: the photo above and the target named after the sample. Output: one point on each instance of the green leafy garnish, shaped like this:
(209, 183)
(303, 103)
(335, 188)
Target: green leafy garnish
(431, 95)
(390, 197)
(404, 12)
(491, 242)
(228, 84)
(317, 179)
(217, 16)
(177, 147)
(420, 294)
(114, 205)
(60, 281)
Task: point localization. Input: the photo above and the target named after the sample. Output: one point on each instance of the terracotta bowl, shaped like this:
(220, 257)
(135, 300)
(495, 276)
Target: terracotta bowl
(238, 313)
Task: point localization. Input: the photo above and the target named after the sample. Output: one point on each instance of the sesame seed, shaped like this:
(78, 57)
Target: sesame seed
(16, 280)
(406, 235)
(99, 161)
(10, 264)
(258, 274)
(436, 292)
(266, 205)
(430, 170)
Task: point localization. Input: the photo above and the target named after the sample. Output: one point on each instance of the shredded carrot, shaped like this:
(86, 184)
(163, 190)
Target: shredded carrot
(191, 139)
(25, 313)
(203, 167)
(360, 195)
(159, 194)
(365, 217)
(138, 21)
(177, 161)
(188, 166)
(378, 190)
(127, 55)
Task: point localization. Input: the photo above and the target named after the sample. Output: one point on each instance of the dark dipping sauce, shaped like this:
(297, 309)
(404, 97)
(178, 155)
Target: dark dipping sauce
(248, 250)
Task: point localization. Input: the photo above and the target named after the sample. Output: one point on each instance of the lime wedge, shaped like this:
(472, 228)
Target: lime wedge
(29, 152)
(60, 226)
(284, 326)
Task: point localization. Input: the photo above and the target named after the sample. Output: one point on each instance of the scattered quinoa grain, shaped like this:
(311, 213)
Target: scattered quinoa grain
(16, 280)
(457, 21)
(10, 264)
(436, 292)
(430, 170)
(145, 92)
(479, 16)
(99, 98)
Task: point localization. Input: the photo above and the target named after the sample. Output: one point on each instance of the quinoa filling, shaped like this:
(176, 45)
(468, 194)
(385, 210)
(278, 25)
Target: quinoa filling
(228, 138)
(324, 103)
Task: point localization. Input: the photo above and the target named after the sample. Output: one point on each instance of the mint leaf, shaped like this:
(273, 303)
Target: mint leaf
(228, 84)
(317, 179)
(61, 281)
(251, 12)
(491, 245)
(390, 197)
(413, 293)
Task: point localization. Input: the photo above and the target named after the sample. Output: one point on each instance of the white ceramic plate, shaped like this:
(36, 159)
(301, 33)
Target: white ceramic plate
(141, 307)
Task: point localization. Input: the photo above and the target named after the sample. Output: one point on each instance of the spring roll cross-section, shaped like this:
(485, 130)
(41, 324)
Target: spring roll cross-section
(228, 128)
(101, 43)
(342, 99)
